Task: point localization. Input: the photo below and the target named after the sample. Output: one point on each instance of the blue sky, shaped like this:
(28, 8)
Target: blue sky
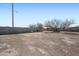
(30, 13)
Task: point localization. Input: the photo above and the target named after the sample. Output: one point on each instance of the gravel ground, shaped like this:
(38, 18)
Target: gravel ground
(40, 44)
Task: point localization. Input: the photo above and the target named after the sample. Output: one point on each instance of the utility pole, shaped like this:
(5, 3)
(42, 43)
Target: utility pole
(12, 14)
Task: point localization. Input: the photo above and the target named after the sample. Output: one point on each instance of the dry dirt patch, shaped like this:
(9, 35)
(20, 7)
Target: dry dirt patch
(39, 44)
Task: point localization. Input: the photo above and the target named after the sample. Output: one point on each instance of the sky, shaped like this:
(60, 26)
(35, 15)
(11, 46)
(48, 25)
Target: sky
(32, 13)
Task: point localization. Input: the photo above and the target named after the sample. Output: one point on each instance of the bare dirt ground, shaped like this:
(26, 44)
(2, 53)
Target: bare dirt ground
(40, 44)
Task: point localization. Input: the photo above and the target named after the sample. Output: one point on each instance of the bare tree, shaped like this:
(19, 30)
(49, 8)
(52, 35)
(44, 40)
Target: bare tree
(48, 24)
(53, 24)
(39, 27)
(56, 25)
(36, 27)
(66, 24)
(32, 28)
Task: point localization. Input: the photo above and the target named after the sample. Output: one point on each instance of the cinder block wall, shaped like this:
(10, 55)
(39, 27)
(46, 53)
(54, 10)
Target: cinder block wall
(10, 30)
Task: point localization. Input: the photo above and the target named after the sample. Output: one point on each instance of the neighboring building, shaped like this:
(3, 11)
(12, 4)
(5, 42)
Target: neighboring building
(74, 28)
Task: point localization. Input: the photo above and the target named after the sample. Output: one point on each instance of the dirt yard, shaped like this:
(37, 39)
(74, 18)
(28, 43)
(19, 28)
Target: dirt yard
(40, 44)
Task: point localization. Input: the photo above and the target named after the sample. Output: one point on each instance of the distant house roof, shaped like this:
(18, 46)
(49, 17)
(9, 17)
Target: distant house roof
(74, 25)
